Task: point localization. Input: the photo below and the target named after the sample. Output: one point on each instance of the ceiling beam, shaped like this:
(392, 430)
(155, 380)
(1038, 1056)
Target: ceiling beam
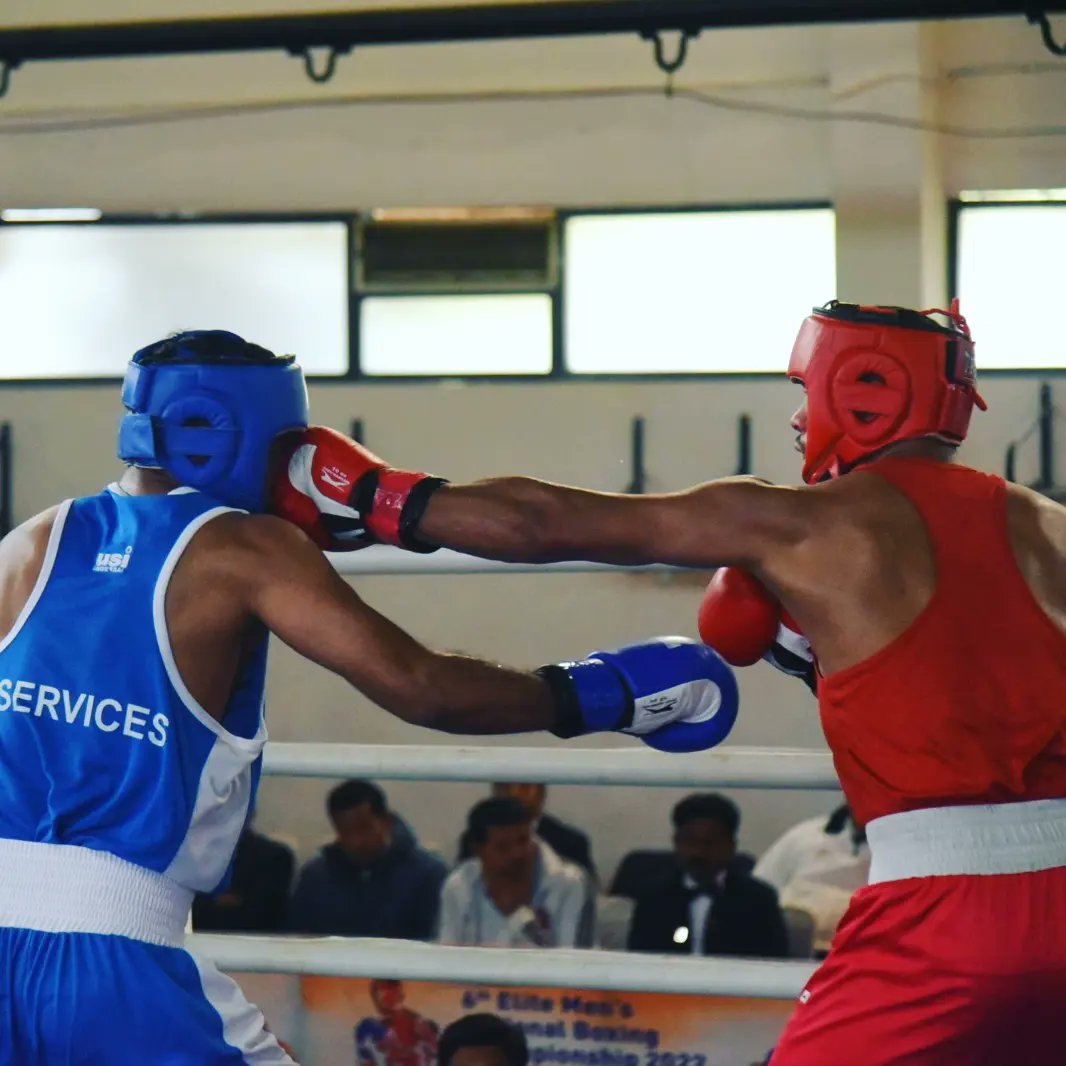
(341, 32)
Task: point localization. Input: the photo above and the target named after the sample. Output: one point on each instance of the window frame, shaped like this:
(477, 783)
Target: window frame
(559, 371)
(354, 374)
(954, 228)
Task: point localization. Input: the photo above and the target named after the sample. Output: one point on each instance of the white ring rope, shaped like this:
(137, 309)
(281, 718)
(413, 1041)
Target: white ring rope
(601, 970)
(556, 968)
(381, 559)
(725, 767)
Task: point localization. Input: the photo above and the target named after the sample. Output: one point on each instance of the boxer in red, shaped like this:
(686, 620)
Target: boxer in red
(934, 599)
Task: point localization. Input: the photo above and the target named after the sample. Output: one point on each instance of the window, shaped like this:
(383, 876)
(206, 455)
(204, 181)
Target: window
(77, 300)
(469, 335)
(456, 292)
(650, 292)
(1010, 280)
(695, 292)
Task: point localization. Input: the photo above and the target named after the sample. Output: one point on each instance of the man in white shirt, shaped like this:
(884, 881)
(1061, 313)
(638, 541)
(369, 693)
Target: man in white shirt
(515, 892)
(816, 866)
(568, 842)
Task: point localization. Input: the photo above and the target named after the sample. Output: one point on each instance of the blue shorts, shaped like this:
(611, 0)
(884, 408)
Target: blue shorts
(85, 999)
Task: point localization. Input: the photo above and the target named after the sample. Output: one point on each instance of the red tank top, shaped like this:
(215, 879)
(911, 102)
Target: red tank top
(968, 704)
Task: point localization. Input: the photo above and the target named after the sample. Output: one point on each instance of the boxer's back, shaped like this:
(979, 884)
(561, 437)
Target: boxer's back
(942, 639)
(102, 744)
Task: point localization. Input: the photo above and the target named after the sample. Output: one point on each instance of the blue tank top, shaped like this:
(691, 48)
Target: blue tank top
(101, 744)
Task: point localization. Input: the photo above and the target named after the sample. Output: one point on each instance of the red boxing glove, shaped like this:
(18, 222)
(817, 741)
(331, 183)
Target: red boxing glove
(344, 497)
(738, 617)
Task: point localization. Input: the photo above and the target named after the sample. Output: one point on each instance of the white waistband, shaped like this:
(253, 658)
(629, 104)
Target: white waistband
(56, 888)
(1005, 838)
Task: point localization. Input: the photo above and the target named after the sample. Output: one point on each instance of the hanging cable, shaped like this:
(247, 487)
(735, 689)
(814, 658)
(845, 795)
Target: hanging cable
(717, 101)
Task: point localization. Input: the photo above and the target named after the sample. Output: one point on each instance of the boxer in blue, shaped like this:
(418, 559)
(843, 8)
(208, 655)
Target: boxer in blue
(133, 634)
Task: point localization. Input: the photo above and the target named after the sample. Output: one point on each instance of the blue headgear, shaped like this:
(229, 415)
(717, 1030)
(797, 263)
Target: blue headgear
(238, 398)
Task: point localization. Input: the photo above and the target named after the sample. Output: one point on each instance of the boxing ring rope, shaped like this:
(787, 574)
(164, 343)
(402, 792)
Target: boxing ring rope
(556, 968)
(724, 767)
(380, 559)
(592, 969)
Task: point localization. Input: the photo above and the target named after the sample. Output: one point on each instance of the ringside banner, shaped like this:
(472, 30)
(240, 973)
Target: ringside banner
(344, 1021)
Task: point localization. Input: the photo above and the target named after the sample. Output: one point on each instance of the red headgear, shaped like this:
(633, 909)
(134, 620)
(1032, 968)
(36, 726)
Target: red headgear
(877, 375)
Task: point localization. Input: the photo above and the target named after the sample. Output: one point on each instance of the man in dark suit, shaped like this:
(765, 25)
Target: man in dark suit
(708, 907)
(566, 841)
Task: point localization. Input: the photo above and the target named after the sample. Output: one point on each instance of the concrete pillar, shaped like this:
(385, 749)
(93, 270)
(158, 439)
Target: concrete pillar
(887, 180)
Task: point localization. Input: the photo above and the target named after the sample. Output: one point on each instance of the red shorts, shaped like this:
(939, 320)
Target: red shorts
(951, 970)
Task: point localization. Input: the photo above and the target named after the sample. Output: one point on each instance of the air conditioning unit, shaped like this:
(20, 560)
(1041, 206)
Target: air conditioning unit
(486, 250)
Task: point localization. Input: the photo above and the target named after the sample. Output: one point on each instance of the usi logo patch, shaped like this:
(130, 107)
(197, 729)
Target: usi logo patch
(113, 562)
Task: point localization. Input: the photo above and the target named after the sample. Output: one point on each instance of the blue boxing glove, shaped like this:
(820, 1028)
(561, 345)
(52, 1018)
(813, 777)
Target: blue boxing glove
(676, 694)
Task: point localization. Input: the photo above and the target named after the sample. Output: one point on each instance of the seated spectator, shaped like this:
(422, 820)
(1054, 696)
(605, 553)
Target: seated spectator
(569, 843)
(258, 891)
(708, 907)
(816, 866)
(397, 1035)
(642, 869)
(515, 892)
(482, 1040)
(373, 880)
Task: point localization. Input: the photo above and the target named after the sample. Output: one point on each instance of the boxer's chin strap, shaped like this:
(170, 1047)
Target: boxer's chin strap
(953, 315)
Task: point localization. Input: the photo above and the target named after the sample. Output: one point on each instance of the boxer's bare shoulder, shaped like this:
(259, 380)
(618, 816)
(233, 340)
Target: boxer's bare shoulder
(869, 570)
(209, 626)
(862, 575)
(22, 553)
(1037, 529)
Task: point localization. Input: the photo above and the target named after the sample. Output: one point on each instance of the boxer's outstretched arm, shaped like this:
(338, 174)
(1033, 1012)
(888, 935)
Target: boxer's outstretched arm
(343, 496)
(737, 521)
(282, 579)
(263, 569)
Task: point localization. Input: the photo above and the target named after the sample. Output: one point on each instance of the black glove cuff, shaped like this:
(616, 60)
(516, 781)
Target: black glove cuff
(413, 509)
(361, 498)
(568, 718)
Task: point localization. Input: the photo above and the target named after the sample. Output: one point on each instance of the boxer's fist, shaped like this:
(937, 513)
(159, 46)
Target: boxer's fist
(791, 653)
(315, 487)
(744, 623)
(738, 617)
(344, 497)
(675, 694)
